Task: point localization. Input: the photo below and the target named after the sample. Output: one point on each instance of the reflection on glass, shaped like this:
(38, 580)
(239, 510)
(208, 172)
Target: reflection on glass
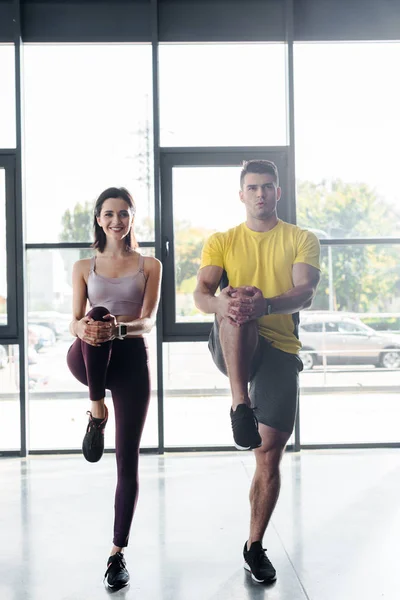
(359, 279)
(9, 398)
(54, 394)
(7, 97)
(3, 251)
(351, 335)
(205, 200)
(194, 389)
(96, 119)
(353, 349)
(222, 94)
(346, 138)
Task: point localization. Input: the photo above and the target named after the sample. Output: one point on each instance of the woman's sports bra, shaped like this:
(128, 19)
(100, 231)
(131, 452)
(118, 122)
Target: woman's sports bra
(120, 295)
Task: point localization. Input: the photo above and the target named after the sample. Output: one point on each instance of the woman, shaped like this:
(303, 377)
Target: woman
(123, 289)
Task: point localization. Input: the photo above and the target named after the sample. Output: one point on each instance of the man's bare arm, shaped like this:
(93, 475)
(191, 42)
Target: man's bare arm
(305, 281)
(208, 279)
(225, 306)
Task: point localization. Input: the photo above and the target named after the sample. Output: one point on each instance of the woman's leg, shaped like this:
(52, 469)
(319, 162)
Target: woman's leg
(130, 387)
(89, 364)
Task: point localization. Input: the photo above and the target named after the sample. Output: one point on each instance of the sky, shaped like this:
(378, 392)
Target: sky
(87, 108)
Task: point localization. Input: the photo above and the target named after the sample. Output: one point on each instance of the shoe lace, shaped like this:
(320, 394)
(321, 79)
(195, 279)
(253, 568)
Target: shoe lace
(117, 563)
(245, 415)
(261, 558)
(95, 422)
(94, 427)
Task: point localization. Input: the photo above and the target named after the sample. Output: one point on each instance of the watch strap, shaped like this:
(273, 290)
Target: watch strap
(122, 331)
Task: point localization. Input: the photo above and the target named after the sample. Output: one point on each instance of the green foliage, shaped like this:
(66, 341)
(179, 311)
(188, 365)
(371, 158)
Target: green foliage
(78, 224)
(365, 278)
(188, 245)
(381, 323)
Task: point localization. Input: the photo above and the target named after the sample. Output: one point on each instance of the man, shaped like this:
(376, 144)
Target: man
(268, 271)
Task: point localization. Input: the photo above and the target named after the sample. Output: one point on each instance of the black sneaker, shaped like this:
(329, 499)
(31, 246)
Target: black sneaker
(245, 428)
(93, 442)
(257, 562)
(117, 575)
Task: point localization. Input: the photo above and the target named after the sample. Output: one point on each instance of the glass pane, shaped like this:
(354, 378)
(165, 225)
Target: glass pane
(10, 438)
(88, 127)
(55, 395)
(347, 129)
(194, 390)
(351, 348)
(213, 191)
(222, 95)
(7, 97)
(3, 251)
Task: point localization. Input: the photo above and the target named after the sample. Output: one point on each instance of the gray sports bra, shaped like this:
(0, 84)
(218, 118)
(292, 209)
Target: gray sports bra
(120, 295)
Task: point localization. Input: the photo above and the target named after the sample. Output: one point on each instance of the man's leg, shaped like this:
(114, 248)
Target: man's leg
(239, 346)
(274, 390)
(265, 487)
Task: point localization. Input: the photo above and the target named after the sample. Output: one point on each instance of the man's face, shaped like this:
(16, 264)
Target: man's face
(260, 195)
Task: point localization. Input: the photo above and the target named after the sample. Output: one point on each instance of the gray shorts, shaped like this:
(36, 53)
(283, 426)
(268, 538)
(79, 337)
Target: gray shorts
(274, 381)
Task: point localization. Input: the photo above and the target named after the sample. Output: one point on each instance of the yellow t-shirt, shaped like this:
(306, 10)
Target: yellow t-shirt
(265, 260)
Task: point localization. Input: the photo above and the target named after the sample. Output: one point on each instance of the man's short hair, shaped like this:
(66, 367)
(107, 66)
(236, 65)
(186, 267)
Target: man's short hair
(260, 167)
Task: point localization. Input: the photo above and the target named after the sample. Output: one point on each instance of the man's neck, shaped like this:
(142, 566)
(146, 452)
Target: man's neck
(262, 225)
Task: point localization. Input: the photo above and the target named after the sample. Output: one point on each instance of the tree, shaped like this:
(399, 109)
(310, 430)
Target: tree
(365, 278)
(78, 224)
(188, 245)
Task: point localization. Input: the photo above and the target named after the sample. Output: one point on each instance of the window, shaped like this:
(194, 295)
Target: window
(7, 97)
(3, 249)
(88, 127)
(222, 95)
(344, 366)
(54, 394)
(200, 193)
(8, 272)
(347, 129)
(347, 327)
(9, 398)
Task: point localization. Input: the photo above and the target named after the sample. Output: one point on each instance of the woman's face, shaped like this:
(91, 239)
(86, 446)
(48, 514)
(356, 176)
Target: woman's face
(115, 218)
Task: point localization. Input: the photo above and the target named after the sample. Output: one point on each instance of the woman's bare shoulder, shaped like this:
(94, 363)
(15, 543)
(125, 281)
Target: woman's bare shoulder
(151, 263)
(82, 266)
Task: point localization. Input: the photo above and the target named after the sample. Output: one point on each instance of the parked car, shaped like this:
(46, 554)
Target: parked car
(344, 339)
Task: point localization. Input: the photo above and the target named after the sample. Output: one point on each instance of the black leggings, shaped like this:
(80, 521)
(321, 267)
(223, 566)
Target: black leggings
(122, 367)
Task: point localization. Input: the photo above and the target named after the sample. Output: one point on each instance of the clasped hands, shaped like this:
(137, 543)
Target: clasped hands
(95, 333)
(241, 304)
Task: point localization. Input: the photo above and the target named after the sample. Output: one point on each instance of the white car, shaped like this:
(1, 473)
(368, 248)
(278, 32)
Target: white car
(345, 339)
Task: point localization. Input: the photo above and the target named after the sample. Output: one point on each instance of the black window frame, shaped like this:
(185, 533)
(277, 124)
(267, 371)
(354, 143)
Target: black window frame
(9, 332)
(212, 157)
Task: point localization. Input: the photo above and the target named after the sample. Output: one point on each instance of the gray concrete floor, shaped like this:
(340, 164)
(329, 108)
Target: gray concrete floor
(334, 535)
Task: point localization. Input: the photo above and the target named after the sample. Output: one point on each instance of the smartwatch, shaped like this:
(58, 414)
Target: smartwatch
(122, 331)
(268, 307)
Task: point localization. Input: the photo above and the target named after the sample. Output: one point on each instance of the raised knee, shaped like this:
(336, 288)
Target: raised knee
(97, 313)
